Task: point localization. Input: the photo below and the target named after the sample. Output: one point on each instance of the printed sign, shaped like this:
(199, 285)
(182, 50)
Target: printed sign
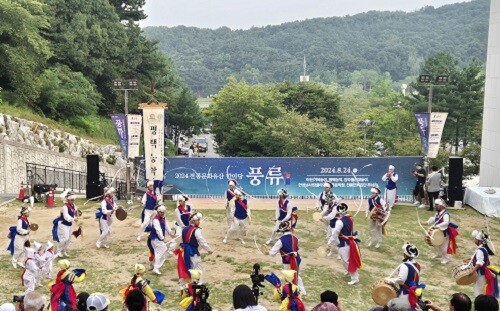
(134, 128)
(436, 127)
(263, 177)
(121, 130)
(153, 121)
(422, 119)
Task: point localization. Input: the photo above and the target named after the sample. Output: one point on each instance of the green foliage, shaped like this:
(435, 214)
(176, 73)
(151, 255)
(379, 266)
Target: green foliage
(472, 156)
(335, 48)
(239, 114)
(66, 95)
(129, 9)
(23, 50)
(313, 100)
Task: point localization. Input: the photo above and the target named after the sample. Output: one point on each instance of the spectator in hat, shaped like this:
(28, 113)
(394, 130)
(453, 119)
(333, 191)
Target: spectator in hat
(7, 307)
(135, 300)
(97, 302)
(418, 191)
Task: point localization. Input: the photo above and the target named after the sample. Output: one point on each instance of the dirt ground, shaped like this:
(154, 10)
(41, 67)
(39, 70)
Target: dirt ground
(230, 265)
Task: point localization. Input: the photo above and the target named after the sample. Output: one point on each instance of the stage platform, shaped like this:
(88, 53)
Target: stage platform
(484, 200)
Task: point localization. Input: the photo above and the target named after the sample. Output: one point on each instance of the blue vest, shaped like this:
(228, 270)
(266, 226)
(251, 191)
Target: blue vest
(441, 220)
(283, 209)
(391, 184)
(71, 212)
(372, 204)
(412, 279)
(240, 212)
(25, 223)
(486, 260)
(322, 198)
(184, 215)
(229, 194)
(347, 229)
(109, 208)
(289, 244)
(150, 200)
(154, 234)
(193, 242)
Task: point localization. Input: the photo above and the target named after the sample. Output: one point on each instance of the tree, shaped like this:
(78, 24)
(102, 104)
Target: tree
(239, 114)
(129, 10)
(295, 135)
(313, 100)
(184, 114)
(23, 50)
(67, 95)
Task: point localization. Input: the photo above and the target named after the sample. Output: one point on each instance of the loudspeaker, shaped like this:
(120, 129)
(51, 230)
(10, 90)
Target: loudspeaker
(455, 177)
(94, 191)
(92, 169)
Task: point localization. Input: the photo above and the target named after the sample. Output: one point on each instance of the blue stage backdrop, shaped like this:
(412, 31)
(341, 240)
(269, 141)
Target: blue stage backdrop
(303, 177)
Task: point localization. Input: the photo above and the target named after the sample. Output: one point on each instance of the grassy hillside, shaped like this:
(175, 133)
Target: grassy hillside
(101, 130)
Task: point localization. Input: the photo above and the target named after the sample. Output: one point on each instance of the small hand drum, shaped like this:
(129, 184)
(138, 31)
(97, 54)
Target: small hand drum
(121, 214)
(434, 237)
(33, 227)
(382, 292)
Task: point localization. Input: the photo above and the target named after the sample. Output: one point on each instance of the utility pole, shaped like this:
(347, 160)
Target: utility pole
(128, 85)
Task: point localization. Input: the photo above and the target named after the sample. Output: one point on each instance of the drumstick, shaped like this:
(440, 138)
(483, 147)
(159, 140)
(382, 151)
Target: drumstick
(397, 268)
(425, 231)
(173, 239)
(256, 245)
(488, 230)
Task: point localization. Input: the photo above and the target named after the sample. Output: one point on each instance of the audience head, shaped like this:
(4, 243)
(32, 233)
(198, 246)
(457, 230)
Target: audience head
(7, 307)
(329, 296)
(325, 306)
(81, 301)
(135, 300)
(34, 301)
(243, 297)
(460, 302)
(398, 304)
(485, 303)
(97, 302)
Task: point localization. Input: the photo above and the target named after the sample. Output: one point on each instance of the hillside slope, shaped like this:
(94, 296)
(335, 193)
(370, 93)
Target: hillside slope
(394, 42)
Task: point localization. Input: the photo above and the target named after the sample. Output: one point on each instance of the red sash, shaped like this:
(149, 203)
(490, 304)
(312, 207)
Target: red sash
(375, 204)
(292, 258)
(231, 192)
(282, 207)
(452, 243)
(240, 201)
(57, 291)
(189, 234)
(183, 209)
(108, 200)
(354, 254)
(152, 194)
(70, 206)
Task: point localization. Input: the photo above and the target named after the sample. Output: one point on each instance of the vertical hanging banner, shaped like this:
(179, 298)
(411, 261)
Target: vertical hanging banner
(134, 128)
(153, 122)
(121, 130)
(422, 119)
(436, 126)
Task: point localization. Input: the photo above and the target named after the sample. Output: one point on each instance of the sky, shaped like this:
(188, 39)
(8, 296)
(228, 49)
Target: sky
(244, 14)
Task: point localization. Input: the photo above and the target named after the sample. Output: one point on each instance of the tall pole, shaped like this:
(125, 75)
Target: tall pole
(429, 110)
(127, 175)
(429, 107)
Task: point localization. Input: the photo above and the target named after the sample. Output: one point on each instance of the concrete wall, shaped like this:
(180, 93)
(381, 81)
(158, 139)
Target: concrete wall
(490, 147)
(14, 156)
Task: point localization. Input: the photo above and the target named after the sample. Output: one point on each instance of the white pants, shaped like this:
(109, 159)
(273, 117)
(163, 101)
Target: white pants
(160, 249)
(375, 231)
(148, 217)
(329, 231)
(196, 264)
(105, 226)
(30, 281)
(300, 284)
(390, 197)
(229, 218)
(64, 234)
(442, 250)
(344, 253)
(46, 271)
(479, 285)
(238, 227)
(19, 256)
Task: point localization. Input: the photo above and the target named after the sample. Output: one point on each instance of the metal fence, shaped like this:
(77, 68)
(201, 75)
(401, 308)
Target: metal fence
(65, 179)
